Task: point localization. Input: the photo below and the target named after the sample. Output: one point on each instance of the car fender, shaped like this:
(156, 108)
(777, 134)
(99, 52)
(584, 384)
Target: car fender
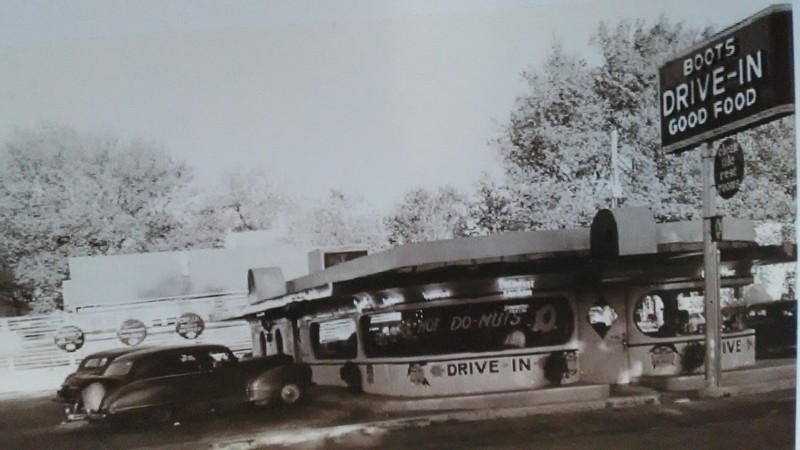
(266, 384)
(136, 396)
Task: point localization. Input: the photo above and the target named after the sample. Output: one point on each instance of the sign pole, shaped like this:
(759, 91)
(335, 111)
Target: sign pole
(713, 346)
(616, 190)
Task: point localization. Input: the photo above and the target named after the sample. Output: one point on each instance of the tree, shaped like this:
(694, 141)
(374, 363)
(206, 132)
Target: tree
(424, 215)
(247, 201)
(492, 209)
(556, 144)
(626, 85)
(339, 219)
(12, 293)
(64, 194)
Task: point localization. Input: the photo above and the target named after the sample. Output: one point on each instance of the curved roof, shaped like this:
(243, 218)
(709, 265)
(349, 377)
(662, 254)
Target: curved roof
(551, 250)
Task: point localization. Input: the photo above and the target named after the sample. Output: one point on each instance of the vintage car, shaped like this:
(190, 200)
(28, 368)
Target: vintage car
(775, 323)
(161, 383)
(92, 365)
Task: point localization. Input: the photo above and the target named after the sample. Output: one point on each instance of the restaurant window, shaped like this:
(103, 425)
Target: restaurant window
(334, 339)
(468, 328)
(674, 313)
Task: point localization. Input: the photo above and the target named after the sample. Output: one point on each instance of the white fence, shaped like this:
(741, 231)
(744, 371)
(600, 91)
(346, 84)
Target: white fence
(30, 359)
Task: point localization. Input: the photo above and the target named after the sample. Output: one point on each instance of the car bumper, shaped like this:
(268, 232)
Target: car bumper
(73, 411)
(94, 416)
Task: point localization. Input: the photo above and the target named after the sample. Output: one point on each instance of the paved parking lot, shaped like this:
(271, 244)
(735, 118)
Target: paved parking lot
(34, 421)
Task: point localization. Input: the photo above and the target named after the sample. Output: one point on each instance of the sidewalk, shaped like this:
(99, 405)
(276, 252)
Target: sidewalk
(371, 415)
(765, 376)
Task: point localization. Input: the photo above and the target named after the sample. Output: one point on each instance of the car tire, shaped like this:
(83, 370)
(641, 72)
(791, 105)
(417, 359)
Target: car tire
(290, 394)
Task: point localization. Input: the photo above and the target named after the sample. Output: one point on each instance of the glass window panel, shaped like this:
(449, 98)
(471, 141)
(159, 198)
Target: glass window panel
(468, 328)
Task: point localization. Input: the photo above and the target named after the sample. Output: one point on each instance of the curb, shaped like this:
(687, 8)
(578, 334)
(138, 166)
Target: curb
(368, 430)
(747, 389)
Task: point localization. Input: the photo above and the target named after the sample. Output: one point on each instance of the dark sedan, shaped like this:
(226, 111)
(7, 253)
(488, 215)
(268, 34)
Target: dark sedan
(162, 383)
(92, 365)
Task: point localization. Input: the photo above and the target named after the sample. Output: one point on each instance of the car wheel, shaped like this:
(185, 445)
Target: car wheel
(290, 394)
(162, 414)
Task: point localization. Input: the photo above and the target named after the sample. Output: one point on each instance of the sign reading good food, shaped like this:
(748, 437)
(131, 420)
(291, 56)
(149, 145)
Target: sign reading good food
(190, 325)
(737, 79)
(69, 338)
(132, 332)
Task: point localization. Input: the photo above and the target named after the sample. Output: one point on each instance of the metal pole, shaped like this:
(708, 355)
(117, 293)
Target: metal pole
(711, 276)
(616, 190)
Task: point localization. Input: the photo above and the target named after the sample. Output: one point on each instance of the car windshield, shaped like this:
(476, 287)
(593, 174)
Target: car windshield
(118, 368)
(93, 363)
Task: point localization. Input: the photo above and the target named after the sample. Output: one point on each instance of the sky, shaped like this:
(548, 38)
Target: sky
(371, 98)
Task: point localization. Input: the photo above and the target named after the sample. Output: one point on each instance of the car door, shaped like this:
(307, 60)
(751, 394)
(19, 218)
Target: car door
(224, 378)
(186, 381)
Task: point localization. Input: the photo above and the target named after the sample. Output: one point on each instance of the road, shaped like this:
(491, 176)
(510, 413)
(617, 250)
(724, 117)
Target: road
(35, 422)
(759, 421)
(762, 421)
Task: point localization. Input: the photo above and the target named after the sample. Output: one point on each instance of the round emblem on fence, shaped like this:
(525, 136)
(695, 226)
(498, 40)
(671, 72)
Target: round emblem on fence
(132, 332)
(69, 338)
(190, 325)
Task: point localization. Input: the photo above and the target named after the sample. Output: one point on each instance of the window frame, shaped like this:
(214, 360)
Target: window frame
(562, 301)
(672, 331)
(351, 350)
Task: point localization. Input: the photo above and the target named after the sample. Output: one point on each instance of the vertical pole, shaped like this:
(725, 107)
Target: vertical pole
(616, 190)
(711, 276)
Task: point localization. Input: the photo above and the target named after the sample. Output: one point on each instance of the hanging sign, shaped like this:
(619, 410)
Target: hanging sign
(728, 168)
(190, 325)
(132, 332)
(69, 338)
(735, 80)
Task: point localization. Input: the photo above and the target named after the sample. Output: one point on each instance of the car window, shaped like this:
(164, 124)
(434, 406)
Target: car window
(190, 362)
(221, 358)
(118, 368)
(94, 363)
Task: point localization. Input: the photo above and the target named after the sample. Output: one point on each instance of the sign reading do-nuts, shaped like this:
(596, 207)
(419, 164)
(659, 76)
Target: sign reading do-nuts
(739, 78)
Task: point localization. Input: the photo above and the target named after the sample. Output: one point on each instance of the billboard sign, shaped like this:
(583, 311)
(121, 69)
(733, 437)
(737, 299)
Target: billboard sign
(737, 79)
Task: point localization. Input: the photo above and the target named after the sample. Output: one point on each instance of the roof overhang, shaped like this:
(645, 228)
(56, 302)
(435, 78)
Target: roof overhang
(644, 243)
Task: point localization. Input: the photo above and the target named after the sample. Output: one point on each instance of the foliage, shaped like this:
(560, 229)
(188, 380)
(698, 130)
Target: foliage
(246, 201)
(556, 144)
(63, 194)
(492, 209)
(13, 293)
(340, 219)
(424, 215)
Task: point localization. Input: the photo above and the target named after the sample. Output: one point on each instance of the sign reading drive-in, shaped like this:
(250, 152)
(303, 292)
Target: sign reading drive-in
(737, 79)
